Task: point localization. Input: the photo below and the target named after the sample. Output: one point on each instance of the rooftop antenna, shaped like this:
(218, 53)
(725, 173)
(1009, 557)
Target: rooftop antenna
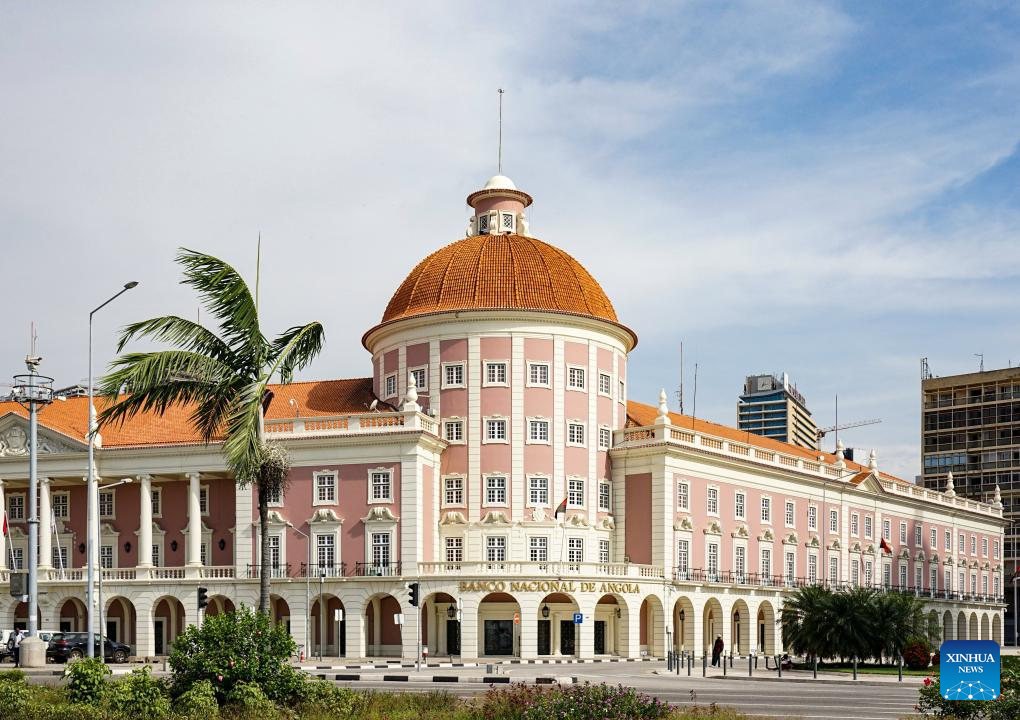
(981, 357)
(499, 160)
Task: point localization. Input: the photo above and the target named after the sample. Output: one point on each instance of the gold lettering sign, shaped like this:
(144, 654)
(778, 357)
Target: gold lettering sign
(549, 586)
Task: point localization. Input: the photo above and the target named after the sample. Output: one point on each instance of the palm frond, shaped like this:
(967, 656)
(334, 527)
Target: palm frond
(185, 334)
(296, 348)
(243, 446)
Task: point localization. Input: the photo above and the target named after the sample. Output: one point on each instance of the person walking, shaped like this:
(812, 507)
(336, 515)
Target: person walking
(717, 651)
(17, 647)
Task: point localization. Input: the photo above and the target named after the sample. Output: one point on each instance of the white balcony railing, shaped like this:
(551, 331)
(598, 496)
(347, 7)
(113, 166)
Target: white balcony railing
(359, 423)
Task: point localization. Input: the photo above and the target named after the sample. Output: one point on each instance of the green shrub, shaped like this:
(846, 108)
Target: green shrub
(86, 681)
(248, 700)
(14, 696)
(328, 699)
(590, 702)
(234, 648)
(198, 701)
(916, 654)
(139, 695)
(509, 703)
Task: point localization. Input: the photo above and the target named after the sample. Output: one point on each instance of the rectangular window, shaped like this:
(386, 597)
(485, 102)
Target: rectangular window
(854, 524)
(855, 574)
(381, 550)
(984, 547)
(390, 386)
(919, 577)
(453, 376)
(740, 562)
(949, 541)
(713, 501)
(834, 571)
(157, 555)
(538, 491)
(60, 557)
(604, 552)
(868, 573)
(812, 517)
(867, 526)
(739, 505)
(495, 430)
(948, 580)
(325, 552)
(962, 544)
(713, 561)
(18, 557)
(453, 491)
(812, 569)
(933, 579)
(274, 496)
(538, 431)
(683, 496)
(575, 493)
(605, 384)
(575, 378)
(996, 583)
(903, 576)
(973, 585)
(575, 550)
(495, 373)
(934, 539)
(623, 395)
(791, 567)
(766, 510)
(454, 549)
(495, 548)
(995, 549)
(157, 502)
(973, 545)
(683, 558)
(538, 374)
(203, 553)
(105, 557)
(604, 494)
(789, 514)
(325, 488)
(60, 504)
(918, 536)
(984, 584)
(420, 376)
(495, 491)
(381, 486)
(274, 554)
(106, 504)
(605, 438)
(833, 521)
(766, 563)
(903, 533)
(203, 500)
(575, 434)
(454, 430)
(962, 587)
(538, 549)
(16, 507)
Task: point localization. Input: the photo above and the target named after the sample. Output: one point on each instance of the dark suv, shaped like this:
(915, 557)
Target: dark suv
(74, 645)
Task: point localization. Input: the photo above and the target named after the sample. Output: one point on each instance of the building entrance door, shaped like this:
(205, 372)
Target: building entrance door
(566, 637)
(544, 637)
(157, 630)
(499, 637)
(452, 637)
(600, 637)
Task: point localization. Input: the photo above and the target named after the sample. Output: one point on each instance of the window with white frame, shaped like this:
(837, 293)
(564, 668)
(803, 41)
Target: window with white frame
(973, 585)
(538, 549)
(995, 549)
(453, 375)
(575, 550)
(421, 378)
(712, 560)
(903, 533)
(495, 548)
(16, 507)
(790, 512)
(962, 545)
(854, 527)
(712, 501)
(274, 496)
(949, 541)
(538, 491)
(812, 568)
(766, 562)
(538, 431)
(325, 488)
(390, 386)
(495, 490)
(453, 491)
(203, 553)
(962, 587)
(538, 374)
(933, 578)
(934, 539)
(833, 570)
(812, 517)
(575, 493)
(495, 373)
(483, 224)
(855, 573)
(740, 562)
(60, 503)
(18, 558)
(605, 438)
(791, 566)
(984, 547)
(984, 584)
(886, 529)
(605, 384)
(903, 576)
(203, 500)
(603, 552)
(506, 222)
(766, 510)
(868, 573)
(683, 557)
(325, 551)
(157, 502)
(995, 582)
(833, 521)
(60, 556)
(454, 431)
(382, 486)
(948, 580)
(739, 505)
(868, 526)
(575, 378)
(274, 554)
(157, 555)
(454, 549)
(623, 392)
(973, 544)
(918, 536)
(381, 549)
(604, 496)
(495, 430)
(106, 504)
(918, 576)
(575, 434)
(683, 496)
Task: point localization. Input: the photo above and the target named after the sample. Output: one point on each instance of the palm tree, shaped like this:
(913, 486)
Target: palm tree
(803, 620)
(224, 377)
(900, 618)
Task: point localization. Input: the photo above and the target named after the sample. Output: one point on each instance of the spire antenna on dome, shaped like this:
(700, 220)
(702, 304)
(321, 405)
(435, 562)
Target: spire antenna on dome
(499, 155)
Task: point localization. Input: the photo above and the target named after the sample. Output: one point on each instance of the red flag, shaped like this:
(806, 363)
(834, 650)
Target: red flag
(5, 524)
(561, 509)
(885, 546)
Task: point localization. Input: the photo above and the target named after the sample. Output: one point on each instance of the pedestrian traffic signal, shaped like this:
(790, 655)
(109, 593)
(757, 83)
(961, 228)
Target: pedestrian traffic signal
(412, 593)
(203, 598)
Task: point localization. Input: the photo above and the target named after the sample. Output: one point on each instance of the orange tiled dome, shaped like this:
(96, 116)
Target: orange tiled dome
(509, 272)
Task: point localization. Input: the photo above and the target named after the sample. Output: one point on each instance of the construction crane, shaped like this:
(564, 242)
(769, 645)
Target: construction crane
(860, 423)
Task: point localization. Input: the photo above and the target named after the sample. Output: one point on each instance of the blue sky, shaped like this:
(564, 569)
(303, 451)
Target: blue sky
(828, 189)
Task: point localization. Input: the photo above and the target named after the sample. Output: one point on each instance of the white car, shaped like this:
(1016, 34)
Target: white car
(7, 641)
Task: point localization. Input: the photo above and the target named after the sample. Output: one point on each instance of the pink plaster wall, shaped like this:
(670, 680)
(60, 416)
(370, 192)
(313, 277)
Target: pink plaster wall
(428, 511)
(494, 203)
(638, 537)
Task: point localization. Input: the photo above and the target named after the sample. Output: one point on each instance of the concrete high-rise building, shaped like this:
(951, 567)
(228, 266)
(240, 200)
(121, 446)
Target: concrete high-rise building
(771, 407)
(970, 432)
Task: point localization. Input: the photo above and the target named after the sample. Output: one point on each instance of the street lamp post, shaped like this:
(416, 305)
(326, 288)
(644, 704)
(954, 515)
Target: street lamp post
(91, 491)
(322, 609)
(31, 391)
(308, 587)
(102, 624)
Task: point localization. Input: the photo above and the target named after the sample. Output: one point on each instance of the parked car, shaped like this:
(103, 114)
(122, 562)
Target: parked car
(7, 640)
(74, 645)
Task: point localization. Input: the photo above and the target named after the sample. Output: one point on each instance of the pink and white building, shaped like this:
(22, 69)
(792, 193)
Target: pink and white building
(498, 390)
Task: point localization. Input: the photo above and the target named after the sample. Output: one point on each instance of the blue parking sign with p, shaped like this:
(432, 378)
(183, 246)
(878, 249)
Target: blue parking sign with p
(969, 670)
(578, 618)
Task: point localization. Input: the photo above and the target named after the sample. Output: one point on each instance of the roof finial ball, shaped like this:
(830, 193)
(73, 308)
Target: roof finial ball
(873, 461)
(840, 456)
(663, 415)
(411, 398)
(950, 488)
(997, 498)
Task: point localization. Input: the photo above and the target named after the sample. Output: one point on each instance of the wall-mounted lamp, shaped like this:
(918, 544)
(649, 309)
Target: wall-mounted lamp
(545, 611)
(619, 613)
(173, 545)
(736, 617)
(127, 547)
(681, 614)
(81, 548)
(451, 613)
(223, 544)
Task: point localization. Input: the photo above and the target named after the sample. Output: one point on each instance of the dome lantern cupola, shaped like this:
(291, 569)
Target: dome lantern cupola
(498, 209)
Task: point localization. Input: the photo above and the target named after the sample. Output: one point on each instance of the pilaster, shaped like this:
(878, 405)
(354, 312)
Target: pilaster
(193, 556)
(45, 525)
(145, 521)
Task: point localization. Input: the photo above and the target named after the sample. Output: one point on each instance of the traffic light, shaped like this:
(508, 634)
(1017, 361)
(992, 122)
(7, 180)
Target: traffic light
(203, 598)
(412, 593)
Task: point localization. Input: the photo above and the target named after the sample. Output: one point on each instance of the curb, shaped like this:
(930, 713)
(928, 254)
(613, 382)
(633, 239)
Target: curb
(395, 664)
(484, 680)
(824, 681)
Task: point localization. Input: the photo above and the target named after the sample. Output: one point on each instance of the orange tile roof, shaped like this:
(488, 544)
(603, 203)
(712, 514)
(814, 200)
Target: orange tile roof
(641, 415)
(317, 397)
(507, 272)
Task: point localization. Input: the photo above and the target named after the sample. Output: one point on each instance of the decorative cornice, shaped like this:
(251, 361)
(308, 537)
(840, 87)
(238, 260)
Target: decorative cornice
(380, 513)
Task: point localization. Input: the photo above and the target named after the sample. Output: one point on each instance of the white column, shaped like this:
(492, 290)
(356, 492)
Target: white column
(145, 522)
(3, 536)
(45, 528)
(193, 557)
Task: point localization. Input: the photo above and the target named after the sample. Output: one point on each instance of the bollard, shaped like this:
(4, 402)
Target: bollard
(814, 669)
(724, 666)
(766, 662)
(779, 665)
(901, 669)
(704, 665)
(756, 663)
(690, 664)
(855, 668)
(750, 666)
(669, 660)
(731, 659)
